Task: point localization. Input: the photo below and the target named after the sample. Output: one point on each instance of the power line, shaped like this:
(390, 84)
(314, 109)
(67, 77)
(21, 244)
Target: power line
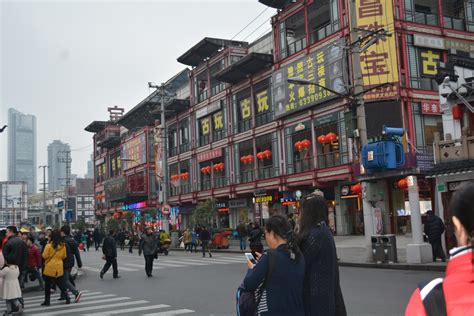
(255, 30)
(254, 19)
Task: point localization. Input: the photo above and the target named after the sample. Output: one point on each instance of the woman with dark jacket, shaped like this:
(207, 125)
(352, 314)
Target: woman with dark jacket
(283, 265)
(322, 291)
(255, 239)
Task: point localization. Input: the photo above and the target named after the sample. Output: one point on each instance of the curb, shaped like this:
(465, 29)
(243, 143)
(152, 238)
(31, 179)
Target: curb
(370, 265)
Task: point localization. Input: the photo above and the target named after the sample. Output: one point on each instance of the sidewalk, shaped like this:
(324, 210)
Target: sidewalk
(351, 252)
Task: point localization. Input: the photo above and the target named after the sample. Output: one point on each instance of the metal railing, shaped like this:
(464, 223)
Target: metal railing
(263, 118)
(332, 159)
(184, 147)
(267, 172)
(296, 46)
(217, 88)
(422, 17)
(245, 176)
(173, 151)
(219, 134)
(185, 188)
(205, 184)
(244, 125)
(301, 165)
(453, 149)
(220, 182)
(454, 23)
(423, 83)
(204, 140)
(321, 33)
(203, 96)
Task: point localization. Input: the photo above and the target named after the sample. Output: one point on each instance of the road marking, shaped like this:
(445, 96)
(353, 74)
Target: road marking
(141, 265)
(63, 306)
(38, 300)
(171, 265)
(98, 270)
(26, 298)
(210, 261)
(129, 310)
(181, 262)
(91, 308)
(168, 313)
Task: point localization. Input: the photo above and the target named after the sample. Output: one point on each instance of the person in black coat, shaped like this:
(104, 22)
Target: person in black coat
(15, 251)
(97, 238)
(109, 249)
(205, 238)
(255, 239)
(149, 245)
(434, 229)
(72, 251)
(322, 291)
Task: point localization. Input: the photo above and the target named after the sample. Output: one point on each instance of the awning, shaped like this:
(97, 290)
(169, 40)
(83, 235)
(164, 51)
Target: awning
(277, 4)
(206, 48)
(456, 167)
(95, 126)
(245, 67)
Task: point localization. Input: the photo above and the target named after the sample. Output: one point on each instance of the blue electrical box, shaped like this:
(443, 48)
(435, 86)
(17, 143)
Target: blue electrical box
(386, 154)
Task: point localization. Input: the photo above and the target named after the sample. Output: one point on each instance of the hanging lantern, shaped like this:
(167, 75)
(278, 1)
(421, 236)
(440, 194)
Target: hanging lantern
(250, 158)
(299, 146)
(184, 175)
(402, 184)
(208, 169)
(457, 112)
(267, 154)
(306, 144)
(331, 137)
(221, 166)
(243, 159)
(356, 188)
(260, 156)
(321, 139)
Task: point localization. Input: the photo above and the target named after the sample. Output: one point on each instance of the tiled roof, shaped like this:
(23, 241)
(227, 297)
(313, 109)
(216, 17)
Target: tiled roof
(452, 167)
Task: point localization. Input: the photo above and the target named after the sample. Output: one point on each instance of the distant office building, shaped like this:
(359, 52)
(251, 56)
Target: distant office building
(57, 173)
(85, 200)
(13, 203)
(22, 148)
(90, 169)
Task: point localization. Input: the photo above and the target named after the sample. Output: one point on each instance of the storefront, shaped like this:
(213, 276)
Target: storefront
(239, 211)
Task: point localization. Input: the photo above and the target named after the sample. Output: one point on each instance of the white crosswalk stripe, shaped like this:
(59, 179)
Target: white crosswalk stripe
(98, 304)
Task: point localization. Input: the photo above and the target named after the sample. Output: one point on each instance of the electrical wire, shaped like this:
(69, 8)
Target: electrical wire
(253, 20)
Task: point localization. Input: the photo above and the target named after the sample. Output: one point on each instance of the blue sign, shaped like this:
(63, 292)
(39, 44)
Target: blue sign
(69, 215)
(134, 206)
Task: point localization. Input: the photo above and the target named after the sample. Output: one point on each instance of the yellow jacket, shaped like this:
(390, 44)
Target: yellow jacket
(53, 260)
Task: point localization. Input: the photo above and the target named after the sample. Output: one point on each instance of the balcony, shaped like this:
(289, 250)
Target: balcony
(206, 184)
(184, 148)
(245, 176)
(422, 17)
(453, 149)
(173, 151)
(267, 172)
(301, 165)
(454, 23)
(109, 137)
(332, 159)
(220, 182)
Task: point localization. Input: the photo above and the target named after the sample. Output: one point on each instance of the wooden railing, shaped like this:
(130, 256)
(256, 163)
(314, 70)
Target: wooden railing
(453, 149)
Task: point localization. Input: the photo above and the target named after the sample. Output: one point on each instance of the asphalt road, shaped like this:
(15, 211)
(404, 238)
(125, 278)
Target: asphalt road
(187, 284)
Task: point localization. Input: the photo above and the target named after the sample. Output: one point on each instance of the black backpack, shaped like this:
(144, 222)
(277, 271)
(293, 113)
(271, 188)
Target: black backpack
(432, 297)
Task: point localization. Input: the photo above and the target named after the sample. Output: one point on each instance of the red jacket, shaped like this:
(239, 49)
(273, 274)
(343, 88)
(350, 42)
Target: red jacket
(458, 288)
(34, 257)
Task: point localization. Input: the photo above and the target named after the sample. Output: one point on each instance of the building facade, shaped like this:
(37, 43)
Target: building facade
(85, 200)
(13, 203)
(22, 148)
(57, 171)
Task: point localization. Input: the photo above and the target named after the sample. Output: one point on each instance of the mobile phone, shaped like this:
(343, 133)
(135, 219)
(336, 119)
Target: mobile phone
(250, 257)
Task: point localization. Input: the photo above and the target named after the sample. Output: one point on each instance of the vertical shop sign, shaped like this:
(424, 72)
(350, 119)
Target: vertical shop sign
(429, 61)
(379, 62)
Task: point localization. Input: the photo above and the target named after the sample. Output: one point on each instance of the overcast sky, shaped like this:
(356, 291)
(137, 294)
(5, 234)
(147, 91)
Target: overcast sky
(67, 61)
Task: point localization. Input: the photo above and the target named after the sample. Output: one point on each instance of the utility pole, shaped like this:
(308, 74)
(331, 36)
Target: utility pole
(67, 160)
(164, 185)
(43, 215)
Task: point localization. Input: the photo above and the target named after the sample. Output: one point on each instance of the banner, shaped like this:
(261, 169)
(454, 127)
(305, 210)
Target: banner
(379, 63)
(134, 152)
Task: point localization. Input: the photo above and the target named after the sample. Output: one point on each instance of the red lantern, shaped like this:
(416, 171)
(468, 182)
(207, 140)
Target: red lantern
(331, 137)
(222, 166)
(306, 144)
(243, 159)
(267, 154)
(321, 139)
(208, 169)
(299, 146)
(356, 188)
(249, 158)
(457, 112)
(402, 184)
(184, 175)
(260, 156)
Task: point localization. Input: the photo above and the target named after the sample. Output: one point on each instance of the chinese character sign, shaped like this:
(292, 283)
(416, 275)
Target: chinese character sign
(325, 67)
(379, 62)
(429, 60)
(245, 112)
(431, 107)
(134, 152)
(262, 101)
(218, 121)
(205, 127)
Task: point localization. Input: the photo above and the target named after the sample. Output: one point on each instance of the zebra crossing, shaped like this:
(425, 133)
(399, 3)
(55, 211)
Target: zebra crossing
(129, 263)
(98, 303)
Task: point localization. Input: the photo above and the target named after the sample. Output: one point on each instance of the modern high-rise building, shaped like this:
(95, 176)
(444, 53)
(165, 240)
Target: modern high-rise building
(22, 148)
(58, 153)
(90, 168)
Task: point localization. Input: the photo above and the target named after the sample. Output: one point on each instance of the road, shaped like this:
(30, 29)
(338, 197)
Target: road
(187, 284)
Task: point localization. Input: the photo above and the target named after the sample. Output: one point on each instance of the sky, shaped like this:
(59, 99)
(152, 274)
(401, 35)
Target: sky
(67, 61)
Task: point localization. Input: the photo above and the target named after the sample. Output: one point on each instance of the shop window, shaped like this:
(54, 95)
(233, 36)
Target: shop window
(425, 125)
(172, 141)
(454, 14)
(184, 143)
(101, 172)
(422, 11)
(331, 140)
(204, 130)
(323, 19)
(423, 66)
(243, 111)
(201, 87)
(263, 103)
(245, 161)
(216, 85)
(292, 35)
(205, 172)
(299, 144)
(115, 165)
(266, 156)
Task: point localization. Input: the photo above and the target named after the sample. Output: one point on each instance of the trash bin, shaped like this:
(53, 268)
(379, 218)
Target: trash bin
(174, 239)
(389, 246)
(377, 251)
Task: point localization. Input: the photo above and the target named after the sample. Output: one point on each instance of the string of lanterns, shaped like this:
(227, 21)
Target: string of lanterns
(266, 154)
(219, 166)
(246, 159)
(304, 144)
(329, 138)
(206, 170)
(182, 176)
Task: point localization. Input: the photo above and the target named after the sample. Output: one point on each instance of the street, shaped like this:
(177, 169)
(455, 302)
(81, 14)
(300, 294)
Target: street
(185, 283)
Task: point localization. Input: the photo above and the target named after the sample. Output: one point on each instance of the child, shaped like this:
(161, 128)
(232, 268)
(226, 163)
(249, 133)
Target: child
(11, 288)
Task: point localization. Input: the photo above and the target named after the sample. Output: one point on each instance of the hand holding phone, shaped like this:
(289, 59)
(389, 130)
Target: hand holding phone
(250, 257)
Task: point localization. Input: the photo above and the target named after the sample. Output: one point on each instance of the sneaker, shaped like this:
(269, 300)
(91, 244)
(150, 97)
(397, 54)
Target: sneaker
(117, 277)
(78, 297)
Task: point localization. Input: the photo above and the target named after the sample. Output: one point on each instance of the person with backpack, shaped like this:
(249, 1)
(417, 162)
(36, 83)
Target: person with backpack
(452, 295)
(276, 279)
(322, 290)
(434, 229)
(72, 252)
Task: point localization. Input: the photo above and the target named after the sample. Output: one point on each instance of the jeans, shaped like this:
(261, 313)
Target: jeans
(96, 244)
(59, 282)
(191, 245)
(69, 282)
(149, 263)
(205, 245)
(110, 261)
(243, 243)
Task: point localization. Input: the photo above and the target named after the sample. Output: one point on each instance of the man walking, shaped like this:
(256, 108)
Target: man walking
(72, 252)
(109, 249)
(149, 245)
(205, 238)
(34, 261)
(434, 229)
(96, 236)
(242, 231)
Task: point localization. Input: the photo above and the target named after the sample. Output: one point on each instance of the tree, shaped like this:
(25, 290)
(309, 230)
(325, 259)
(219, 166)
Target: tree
(129, 219)
(204, 212)
(80, 224)
(113, 224)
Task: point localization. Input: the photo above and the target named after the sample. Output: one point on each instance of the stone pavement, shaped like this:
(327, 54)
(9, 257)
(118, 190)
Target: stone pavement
(351, 252)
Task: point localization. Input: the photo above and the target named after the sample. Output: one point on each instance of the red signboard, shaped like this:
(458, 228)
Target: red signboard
(208, 155)
(431, 107)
